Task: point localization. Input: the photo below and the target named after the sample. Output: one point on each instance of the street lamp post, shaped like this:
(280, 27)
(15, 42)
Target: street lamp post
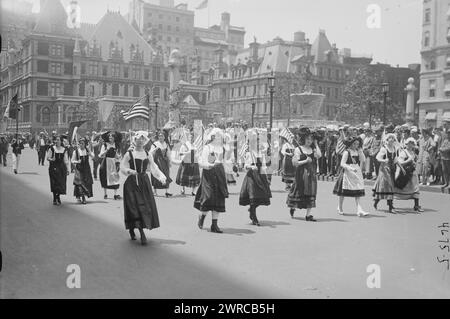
(156, 99)
(385, 89)
(253, 114)
(271, 80)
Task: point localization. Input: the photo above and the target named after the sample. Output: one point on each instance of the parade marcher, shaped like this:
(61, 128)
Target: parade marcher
(58, 169)
(42, 148)
(373, 152)
(350, 182)
(139, 204)
(444, 151)
(109, 169)
(4, 146)
(436, 158)
(406, 184)
(82, 180)
(367, 145)
(161, 155)
(384, 185)
(189, 172)
(255, 190)
(426, 146)
(17, 147)
(302, 194)
(322, 144)
(331, 153)
(96, 161)
(213, 187)
(288, 172)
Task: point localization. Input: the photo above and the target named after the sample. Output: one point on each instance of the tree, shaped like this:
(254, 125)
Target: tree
(363, 98)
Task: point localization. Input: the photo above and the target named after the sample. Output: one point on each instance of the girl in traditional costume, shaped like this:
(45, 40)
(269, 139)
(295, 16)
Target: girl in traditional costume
(406, 184)
(213, 188)
(82, 180)
(139, 204)
(189, 172)
(109, 169)
(302, 194)
(255, 190)
(161, 155)
(288, 171)
(58, 169)
(350, 182)
(384, 185)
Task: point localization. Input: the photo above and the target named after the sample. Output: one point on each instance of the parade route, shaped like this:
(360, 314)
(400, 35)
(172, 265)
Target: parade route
(284, 258)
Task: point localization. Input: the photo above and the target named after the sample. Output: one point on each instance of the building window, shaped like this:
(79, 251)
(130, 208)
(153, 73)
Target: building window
(447, 88)
(338, 74)
(160, 26)
(169, 39)
(427, 16)
(93, 68)
(177, 29)
(447, 61)
(42, 48)
(136, 72)
(146, 74)
(42, 88)
(177, 40)
(105, 70)
(336, 93)
(68, 68)
(125, 90)
(169, 28)
(92, 90)
(125, 73)
(55, 68)
(433, 65)
(136, 91)
(55, 89)
(156, 74)
(116, 70)
(42, 66)
(329, 73)
(45, 116)
(81, 89)
(56, 49)
(83, 68)
(177, 19)
(105, 89)
(156, 92)
(426, 40)
(115, 89)
(432, 88)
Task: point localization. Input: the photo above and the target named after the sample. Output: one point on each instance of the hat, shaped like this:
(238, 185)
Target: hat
(214, 132)
(411, 140)
(352, 140)
(139, 135)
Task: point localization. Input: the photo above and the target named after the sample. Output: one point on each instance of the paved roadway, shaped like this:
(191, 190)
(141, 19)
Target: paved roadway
(285, 258)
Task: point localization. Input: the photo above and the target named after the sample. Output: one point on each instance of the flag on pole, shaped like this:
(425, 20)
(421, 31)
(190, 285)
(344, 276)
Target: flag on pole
(137, 110)
(243, 149)
(287, 135)
(73, 129)
(202, 5)
(12, 109)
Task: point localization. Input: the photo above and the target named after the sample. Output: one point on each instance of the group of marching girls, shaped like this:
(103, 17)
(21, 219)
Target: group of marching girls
(206, 173)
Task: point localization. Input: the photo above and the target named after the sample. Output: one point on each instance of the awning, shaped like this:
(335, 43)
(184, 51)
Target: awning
(431, 116)
(446, 116)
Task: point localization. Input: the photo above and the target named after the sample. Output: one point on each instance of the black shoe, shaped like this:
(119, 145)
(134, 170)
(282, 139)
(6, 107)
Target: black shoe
(193, 194)
(105, 197)
(292, 211)
(168, 195)
(83, 200)
(201, 220)
(418, 209)
(55, 202)
(310, 218)
(132, 234)
(58, 200)
(117, 197)
(215, 228)
(15, 171)
(375, 204)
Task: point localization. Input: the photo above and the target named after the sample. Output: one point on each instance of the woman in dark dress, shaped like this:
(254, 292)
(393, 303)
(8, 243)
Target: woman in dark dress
(161, 155)
(139, 204)
(82, 180)
(255, 190)
(288, 172)
(58, 169)
(384, 185)
(109, 169)
(302, 194)
(189, 172)
(213, 187)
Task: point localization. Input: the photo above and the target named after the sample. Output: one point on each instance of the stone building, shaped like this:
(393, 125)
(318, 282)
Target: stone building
(63, 74)
(434, 103)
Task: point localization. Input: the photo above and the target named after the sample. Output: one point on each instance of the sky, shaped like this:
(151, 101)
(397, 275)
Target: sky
(396, 41)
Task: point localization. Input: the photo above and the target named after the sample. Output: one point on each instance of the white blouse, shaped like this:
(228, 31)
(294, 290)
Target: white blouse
(142, 155)
(80, 153)
(207, 150)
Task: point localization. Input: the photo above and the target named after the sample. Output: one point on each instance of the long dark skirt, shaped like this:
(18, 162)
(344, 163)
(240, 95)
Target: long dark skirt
(83, 185)
(188, 175)
(212, 191)
(304, 190)
(58, 177)
(255, 190)
(384, 185)
(163, 164)
(139, 204)
(102, 174)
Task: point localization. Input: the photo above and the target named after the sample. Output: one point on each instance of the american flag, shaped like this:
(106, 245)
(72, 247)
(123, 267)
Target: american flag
(243, 149)
(137, 110)
(198, 143)
(287, 135)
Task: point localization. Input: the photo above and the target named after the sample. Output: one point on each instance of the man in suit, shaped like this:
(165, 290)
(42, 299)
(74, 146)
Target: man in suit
(4, 145)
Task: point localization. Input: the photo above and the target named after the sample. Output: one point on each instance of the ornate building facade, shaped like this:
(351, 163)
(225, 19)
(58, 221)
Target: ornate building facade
(63, 74)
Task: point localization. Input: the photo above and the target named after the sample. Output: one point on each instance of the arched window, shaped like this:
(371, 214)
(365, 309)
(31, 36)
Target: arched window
(46, 116)
(433, 65)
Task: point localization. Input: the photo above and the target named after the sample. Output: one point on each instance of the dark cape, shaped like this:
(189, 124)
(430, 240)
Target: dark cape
(162, 161)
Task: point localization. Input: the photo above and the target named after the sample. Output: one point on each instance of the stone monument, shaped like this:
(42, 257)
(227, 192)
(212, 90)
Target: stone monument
(410, 89)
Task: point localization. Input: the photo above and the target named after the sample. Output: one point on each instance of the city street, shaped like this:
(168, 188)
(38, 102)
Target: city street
(284, 258)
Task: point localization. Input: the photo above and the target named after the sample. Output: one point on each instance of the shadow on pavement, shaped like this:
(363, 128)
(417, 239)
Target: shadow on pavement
(272, 224)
